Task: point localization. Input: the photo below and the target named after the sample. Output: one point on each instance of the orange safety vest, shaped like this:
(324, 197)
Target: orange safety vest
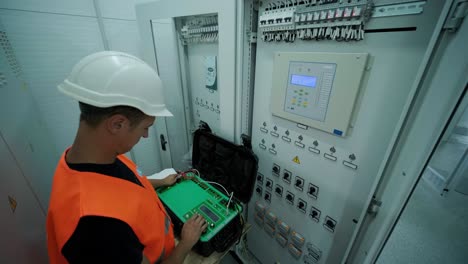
(76, 194)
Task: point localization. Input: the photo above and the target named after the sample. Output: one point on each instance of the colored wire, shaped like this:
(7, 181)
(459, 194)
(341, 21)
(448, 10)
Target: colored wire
(219, 185)
(229, 202)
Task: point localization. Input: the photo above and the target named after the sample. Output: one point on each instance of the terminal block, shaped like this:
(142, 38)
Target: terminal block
(314, 252)
(297, 239)
(294, 251)
(283, 228)
(271, 217)
(281, 240)
(270, 230)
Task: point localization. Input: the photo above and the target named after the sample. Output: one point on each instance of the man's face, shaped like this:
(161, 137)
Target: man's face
(130, 135)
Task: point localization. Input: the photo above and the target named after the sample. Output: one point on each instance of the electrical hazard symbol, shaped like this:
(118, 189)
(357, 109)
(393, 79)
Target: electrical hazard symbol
(13, 203)
(296, 160)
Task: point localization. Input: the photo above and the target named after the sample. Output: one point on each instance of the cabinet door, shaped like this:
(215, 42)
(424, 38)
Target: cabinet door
(22, 229)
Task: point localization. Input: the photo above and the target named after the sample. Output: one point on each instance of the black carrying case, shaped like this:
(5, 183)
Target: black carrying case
(233, 166)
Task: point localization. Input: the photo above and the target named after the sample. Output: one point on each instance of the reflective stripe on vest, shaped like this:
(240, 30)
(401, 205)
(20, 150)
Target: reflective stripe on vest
(167, 225)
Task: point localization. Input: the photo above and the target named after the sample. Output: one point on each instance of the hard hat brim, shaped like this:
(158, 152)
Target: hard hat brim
(106, 100)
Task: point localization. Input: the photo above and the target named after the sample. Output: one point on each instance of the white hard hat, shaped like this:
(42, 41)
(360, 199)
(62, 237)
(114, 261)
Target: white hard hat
(111, 78)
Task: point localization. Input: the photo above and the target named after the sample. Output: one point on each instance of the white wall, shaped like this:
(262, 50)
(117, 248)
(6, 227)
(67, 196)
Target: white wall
(50, 36)
(37, 122)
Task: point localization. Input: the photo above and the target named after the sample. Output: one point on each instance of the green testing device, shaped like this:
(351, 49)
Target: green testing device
(193, 195)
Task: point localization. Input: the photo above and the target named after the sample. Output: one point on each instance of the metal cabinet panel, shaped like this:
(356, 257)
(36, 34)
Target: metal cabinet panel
(23, 238)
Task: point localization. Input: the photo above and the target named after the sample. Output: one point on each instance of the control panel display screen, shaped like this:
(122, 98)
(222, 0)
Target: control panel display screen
(308, 89)
(209, 213)
(304, 80)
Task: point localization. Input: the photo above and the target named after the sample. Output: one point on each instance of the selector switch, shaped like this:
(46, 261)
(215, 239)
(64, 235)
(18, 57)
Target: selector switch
(313, 191)
(329, 224)
(290, 197)
(287, 176)
(302, 205)
(276, 169)
(299, 183)
(269, 184)
(260, 178)
(258, 190)
(315, 214)
(279, 190)
(267, 197)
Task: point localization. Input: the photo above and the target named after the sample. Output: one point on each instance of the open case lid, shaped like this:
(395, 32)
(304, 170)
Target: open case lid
(233, 166)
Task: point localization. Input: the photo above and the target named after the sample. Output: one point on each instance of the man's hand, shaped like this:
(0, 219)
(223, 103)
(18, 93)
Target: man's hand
(169, 180)
(192, 230)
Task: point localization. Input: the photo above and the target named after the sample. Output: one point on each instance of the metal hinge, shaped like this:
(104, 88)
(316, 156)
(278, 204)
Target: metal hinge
(374, 206)
(252, 36)
(456, 15)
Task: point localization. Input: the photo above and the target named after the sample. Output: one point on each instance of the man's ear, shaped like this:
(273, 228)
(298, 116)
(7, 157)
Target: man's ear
(116, 123)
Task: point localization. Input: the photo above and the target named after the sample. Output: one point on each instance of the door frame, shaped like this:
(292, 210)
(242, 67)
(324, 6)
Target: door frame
(428, 116)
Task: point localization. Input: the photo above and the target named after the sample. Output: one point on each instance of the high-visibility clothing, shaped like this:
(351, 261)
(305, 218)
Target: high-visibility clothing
(77, 194)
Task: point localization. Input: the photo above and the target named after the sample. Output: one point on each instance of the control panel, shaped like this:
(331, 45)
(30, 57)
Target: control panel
(308, 89)
(317, 89)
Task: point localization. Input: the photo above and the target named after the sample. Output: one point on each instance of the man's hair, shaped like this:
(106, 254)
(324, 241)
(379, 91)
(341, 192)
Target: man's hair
(93, 115)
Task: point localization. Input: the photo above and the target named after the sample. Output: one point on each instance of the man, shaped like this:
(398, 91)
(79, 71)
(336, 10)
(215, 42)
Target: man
(101, 209)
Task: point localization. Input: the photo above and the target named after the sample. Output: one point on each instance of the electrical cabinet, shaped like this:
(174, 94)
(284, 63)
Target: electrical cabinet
(336, 98)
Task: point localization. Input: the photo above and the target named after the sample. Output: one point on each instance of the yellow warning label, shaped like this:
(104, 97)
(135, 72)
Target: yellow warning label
(13, 203)
(296, 159)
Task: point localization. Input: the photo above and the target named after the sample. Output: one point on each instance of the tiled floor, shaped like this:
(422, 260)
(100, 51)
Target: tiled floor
(432, 229)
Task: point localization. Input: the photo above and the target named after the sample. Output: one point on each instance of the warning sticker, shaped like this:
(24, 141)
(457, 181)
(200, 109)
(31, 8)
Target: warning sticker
(13, 203)
(296, 160)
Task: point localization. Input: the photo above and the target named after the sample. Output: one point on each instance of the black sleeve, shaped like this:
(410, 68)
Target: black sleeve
(99, 239)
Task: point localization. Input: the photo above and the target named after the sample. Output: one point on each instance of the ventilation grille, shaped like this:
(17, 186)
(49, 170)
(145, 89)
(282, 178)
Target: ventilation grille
(9, 54)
